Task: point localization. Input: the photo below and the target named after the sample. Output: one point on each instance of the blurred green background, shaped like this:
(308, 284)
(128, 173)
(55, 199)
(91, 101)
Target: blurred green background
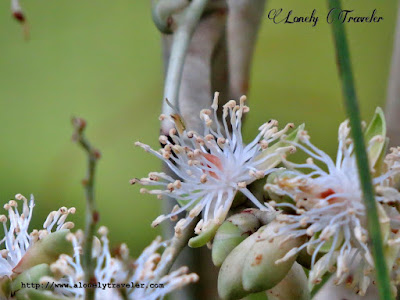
(100, 59)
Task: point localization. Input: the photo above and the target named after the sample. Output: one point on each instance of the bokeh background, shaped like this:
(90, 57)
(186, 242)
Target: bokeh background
(101, 60)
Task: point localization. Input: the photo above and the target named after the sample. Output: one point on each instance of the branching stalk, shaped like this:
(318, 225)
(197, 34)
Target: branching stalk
(353, 112)
(92, 216)
(175, 246)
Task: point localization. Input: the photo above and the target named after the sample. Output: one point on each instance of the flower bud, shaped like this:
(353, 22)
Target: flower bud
(46, 250)
(5, 287)
(204, 237)
(293, 287)
(261, 270)
(31, 275)
(230, 275)
(231, 233)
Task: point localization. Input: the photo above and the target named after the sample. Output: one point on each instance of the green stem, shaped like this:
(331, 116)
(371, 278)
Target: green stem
(353, 112)
(92, 215)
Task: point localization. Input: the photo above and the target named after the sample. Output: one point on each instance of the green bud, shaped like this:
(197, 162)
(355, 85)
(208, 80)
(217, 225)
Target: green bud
(230, 275)
(5, 287)
(46, 250)
(293, 287)
(204, 237)
(251, 267)
(231, 233)
(376, 127)
(31, 275)
(260, 271)
(32, 294)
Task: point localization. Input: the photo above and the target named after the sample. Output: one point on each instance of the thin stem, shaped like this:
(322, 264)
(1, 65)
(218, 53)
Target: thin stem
(176, 245)
(186, 24)
(351, 105)
(92, 216)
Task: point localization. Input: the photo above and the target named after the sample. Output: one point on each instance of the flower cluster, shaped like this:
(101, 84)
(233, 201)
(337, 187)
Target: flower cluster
(320, 202)
(115, 273)
(327, 206)
(44, 256)
(210, 168)
(315, 216)
(18, 240)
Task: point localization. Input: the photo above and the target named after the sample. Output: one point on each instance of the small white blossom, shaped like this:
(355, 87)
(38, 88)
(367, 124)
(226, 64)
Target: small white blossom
(68, 270)
(17, 238)
(142, 276)
(147, 269)
(212, 167)
(330, 210)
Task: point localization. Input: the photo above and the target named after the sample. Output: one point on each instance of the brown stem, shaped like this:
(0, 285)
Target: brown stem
(92, 216)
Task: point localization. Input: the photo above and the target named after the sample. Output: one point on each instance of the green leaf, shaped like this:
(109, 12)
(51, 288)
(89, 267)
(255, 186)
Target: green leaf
(379, 165)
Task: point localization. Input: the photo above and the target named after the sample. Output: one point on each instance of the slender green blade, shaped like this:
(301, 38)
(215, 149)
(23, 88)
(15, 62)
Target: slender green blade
(353, 112)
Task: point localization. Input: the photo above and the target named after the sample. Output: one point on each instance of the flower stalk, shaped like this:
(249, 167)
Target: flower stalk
(92, 215)
(175, 246)
(353, 112)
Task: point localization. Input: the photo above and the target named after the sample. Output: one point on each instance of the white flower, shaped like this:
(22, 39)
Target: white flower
(330, 210)
(142, 276)
(212, 167)
(17, 238)
(108, 270)
(147, 269)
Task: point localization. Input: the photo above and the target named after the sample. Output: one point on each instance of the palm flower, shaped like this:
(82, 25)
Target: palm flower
(212, 167)
(117, 276)
(330, 210)
(17, 239)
